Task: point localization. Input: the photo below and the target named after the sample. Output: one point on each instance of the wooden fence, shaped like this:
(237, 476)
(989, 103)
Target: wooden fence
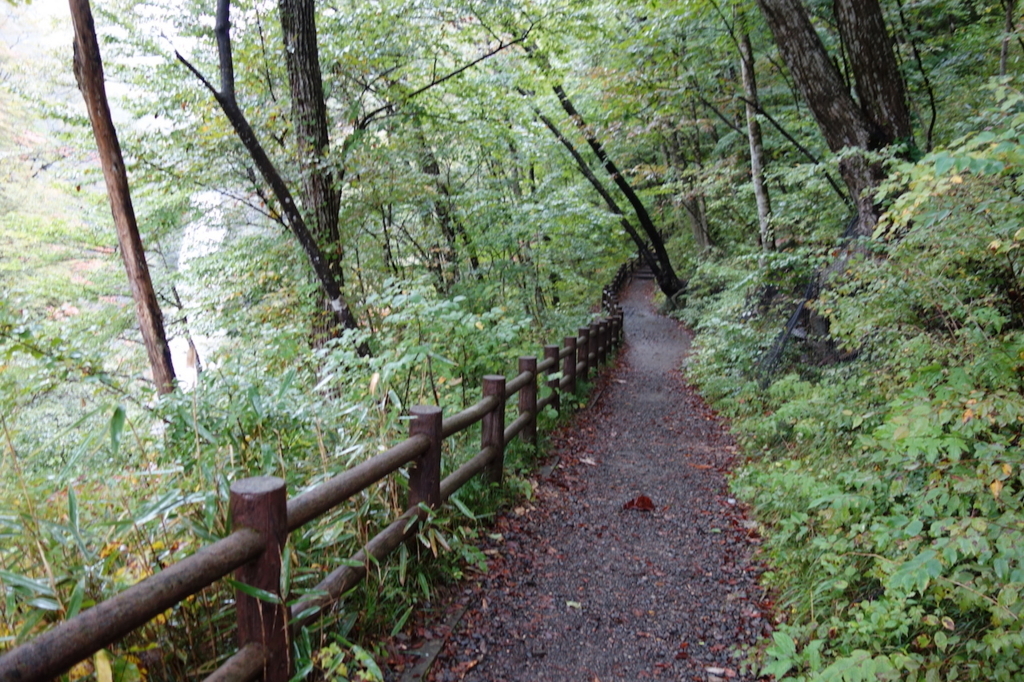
(262, 517)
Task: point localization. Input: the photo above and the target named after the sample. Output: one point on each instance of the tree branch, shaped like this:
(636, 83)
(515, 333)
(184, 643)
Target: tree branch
(806, 152)
(247, 136)
(502, 46)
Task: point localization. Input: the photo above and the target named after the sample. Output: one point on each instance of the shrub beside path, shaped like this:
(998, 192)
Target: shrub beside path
(632, 561)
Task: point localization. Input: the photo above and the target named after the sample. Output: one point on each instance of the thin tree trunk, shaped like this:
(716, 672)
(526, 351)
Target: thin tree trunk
(667, 281)
(609, 201)
(446, 255)
(1004, 50)
(926, 81)
(764, 205)
(699, 223)
(803, 150)
(89, 74)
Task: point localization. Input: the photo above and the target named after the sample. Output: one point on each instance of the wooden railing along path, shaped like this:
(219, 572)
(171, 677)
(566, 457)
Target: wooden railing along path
(262, 517)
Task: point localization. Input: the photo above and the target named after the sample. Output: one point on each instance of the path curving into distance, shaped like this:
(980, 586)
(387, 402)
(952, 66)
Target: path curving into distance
(583, 588)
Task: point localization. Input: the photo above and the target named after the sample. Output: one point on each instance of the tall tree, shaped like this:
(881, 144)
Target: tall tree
(668, 281)
(89, 74)
(879, 119)
(228, 102)
(319, 194)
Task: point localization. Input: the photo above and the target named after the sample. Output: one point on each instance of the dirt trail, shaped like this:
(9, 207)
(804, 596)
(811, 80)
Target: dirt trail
(581, 588)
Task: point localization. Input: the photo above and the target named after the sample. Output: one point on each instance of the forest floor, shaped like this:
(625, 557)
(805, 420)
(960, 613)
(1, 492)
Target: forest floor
(632, 561)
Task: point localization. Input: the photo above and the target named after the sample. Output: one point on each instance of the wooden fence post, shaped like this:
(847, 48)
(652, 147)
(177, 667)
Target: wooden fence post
(425, 476)
(603, 338)
(528, 400)
(493, 428)
(569, 364)
(592, 350)
(261, 503)
(583, 352)
(551, 353)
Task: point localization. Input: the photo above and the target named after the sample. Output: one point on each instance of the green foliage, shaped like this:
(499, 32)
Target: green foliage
(891, 484)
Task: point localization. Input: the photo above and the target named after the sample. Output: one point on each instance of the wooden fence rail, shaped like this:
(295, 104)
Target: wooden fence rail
(262, 517)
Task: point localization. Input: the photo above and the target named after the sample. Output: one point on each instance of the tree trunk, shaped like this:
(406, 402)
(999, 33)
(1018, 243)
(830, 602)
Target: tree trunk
(1004, 49)
(879, 83)
(695, 207)
(88, 66)
(669, 283)
(320, 199)
(609, 201)
(843, 122)
(247, 136)
(446, 255)
(766, 232)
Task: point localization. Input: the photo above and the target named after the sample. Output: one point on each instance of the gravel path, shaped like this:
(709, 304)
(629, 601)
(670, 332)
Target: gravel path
(582, 588)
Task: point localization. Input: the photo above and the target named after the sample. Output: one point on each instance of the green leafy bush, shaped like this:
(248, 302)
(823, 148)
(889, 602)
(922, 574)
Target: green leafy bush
(892, 484)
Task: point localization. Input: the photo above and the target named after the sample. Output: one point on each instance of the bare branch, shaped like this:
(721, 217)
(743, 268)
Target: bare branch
(368, 118)
(195, 72)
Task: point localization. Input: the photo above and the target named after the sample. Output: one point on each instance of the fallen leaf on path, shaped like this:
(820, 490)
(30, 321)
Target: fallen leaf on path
(641, 503)
(728, 672)
(702, 466)
(588, 461)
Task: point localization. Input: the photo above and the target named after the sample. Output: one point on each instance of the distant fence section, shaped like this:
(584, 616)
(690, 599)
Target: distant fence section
(262, 516)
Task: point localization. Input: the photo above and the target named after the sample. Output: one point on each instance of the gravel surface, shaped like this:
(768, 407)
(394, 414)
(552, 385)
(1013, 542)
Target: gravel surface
(585, 583)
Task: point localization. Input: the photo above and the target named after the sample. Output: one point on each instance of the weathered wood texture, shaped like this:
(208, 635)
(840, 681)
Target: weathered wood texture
(492, 432)
(425, 477)
(261, 504)
(88, 66)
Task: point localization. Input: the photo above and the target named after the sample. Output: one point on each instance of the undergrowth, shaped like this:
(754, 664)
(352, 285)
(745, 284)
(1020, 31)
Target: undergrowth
(130, 488)
(890, 482)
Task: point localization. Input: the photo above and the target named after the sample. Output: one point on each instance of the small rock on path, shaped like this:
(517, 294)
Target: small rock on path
(581, 588)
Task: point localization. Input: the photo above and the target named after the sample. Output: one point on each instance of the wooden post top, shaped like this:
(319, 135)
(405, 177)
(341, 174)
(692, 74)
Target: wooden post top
(257, 485)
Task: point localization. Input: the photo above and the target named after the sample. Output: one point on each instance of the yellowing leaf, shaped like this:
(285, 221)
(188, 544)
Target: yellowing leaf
(996, 487)
(80, 671)
(968, 414)
(1007, 468)
(900, 433)
(957, 179)
(948, 623)
(101, 661)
